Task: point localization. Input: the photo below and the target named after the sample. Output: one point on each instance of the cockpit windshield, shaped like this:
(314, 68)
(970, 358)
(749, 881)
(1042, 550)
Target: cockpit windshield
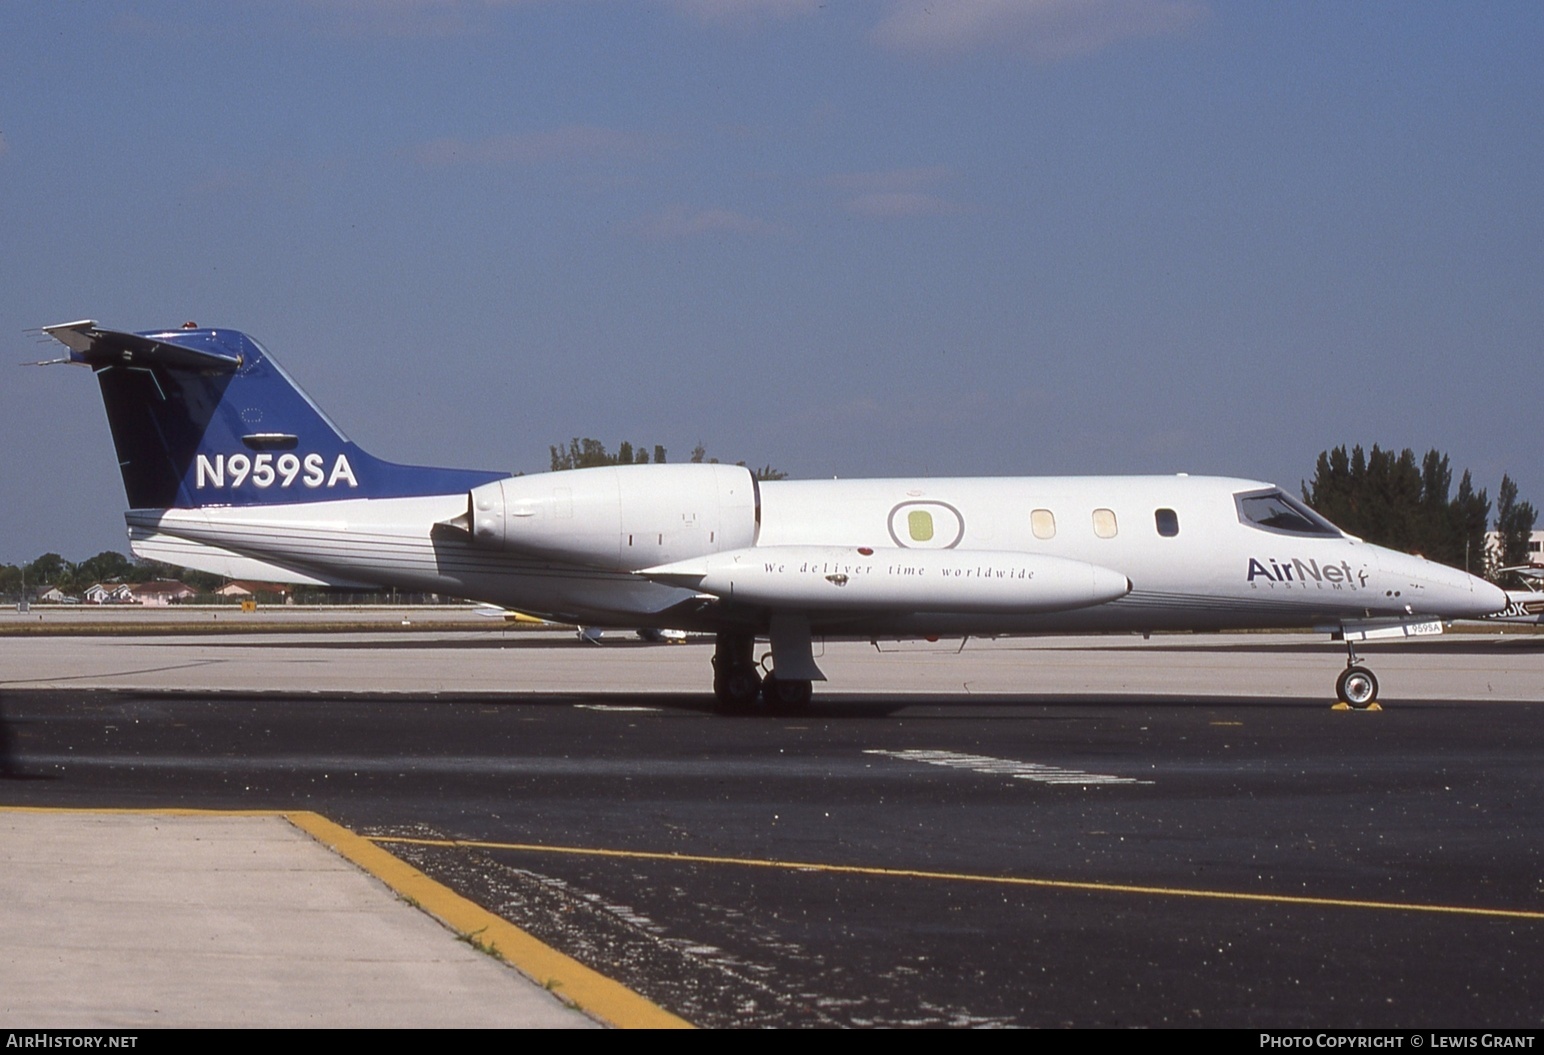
(1277, 511)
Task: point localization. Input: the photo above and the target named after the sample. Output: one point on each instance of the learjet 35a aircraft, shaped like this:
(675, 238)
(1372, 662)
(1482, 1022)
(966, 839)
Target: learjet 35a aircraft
(230, 468)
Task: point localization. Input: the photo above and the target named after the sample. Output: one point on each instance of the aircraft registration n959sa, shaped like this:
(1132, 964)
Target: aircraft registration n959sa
(230, 468)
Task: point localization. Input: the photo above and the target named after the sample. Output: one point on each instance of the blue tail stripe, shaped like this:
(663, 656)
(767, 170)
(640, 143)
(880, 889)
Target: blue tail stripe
(226, 426)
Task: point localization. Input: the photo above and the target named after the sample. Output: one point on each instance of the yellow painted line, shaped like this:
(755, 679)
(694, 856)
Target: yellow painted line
(167, 811)
(589, 990)
(966, 877)
(586, 989)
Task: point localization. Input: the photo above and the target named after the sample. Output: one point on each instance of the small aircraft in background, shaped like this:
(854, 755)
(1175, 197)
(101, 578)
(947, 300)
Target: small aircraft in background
(230, 468)
(1525, 605)
(592, 634)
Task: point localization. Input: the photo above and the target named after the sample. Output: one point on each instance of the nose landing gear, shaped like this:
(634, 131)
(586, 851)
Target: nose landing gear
(1357, 687)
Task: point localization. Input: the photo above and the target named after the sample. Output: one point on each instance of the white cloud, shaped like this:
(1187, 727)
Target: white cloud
(415, 18)
(743, 10)
(901, 203)
(1045, 30)
(570, 143)
(681, 222)
(896, 192)
(892, 179)
(396, 18)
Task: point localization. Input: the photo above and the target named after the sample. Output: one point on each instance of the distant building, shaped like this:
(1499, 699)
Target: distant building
(1535, 547)
(109, 593)
(267, 591)
(162, 592)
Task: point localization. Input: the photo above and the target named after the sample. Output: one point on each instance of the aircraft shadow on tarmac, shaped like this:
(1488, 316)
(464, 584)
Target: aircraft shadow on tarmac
(10, 765)
(1526, 642)
(843, 706)
(388, 641)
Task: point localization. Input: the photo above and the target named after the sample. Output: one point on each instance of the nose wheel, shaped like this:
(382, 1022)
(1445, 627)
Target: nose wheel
(1357, 687)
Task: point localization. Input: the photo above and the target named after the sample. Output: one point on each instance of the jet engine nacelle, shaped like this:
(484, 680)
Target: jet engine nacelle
(622, 517)
(845, 578)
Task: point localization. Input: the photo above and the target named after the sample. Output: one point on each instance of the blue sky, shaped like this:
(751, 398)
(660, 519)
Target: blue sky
(876, 237)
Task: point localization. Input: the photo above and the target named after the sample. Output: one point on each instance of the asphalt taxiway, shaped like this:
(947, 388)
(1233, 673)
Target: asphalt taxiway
(1112, 831)
(455, 651)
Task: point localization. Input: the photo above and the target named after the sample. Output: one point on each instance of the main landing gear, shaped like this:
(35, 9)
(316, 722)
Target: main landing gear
(738, 684)
(786, 694)
(1357, 687)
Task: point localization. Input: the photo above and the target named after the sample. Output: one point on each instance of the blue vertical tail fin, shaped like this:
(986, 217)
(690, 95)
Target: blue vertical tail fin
(206, 417)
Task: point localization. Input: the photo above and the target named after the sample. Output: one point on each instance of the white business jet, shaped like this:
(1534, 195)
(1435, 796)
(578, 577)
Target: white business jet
(230, 468)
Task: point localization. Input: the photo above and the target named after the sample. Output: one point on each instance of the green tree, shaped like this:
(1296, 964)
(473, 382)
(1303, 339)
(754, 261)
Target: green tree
(1514, 523)
(766, 472)
(1467, 516)
(104, 567)
(1391, 499)
(47, 570)
(587, 453)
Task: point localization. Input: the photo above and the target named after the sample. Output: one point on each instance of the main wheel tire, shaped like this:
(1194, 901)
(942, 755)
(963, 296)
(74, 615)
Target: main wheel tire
(737, 688)
(1357, 686)
(786, 696)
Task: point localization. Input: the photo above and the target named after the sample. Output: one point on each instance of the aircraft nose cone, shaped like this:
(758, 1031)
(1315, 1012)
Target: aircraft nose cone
(1487, 594)
(1460, 595)
(1438, 590)
(1466, 596)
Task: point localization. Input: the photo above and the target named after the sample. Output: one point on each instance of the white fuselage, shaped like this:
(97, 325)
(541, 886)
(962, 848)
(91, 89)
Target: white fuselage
(1192, 560)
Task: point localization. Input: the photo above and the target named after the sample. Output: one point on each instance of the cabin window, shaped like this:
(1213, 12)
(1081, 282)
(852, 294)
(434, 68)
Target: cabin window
(919, 525)
(1277, 511)
(1104, 523)
(1168, 522)
(926, 525)
(1043, 523)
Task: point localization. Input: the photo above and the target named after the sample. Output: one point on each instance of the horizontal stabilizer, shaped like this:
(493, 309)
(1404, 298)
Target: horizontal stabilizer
(185, 553)
(90, 344)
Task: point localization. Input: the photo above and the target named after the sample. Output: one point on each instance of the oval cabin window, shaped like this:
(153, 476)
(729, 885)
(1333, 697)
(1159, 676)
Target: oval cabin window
(926, 525)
